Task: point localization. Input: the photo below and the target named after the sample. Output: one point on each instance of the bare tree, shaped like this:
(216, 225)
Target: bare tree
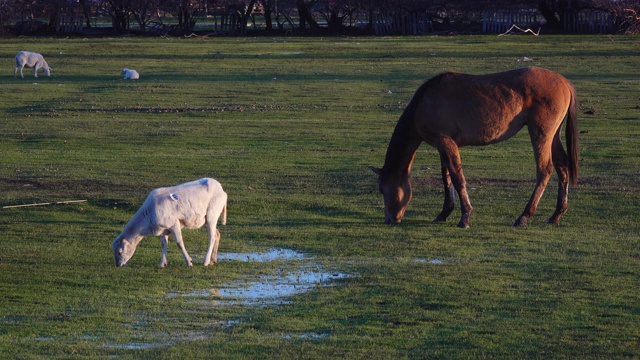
(8, 10)
(268, 7)
(120, 13)
(144, 12)
(305, 13)
(338, 13)
(285, 11)
(626, 13)
(186, 12)
(86, 11)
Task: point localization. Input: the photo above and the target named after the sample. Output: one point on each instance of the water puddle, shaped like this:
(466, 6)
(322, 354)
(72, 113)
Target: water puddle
(274, 289)
(137, 346)
(290, 273)
(268, 256)
(429, 261)
(305, 336)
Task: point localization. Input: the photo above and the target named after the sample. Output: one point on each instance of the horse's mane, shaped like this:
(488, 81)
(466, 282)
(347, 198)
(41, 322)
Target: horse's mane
(404, 140)
(433, 82)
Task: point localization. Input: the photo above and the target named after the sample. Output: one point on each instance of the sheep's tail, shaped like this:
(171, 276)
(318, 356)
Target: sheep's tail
(224, 213)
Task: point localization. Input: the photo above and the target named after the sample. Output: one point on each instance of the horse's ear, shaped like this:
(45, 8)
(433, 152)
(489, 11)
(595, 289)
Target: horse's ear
(375, 170)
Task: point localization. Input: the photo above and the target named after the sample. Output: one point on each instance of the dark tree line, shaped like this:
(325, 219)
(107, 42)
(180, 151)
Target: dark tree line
(300, 16)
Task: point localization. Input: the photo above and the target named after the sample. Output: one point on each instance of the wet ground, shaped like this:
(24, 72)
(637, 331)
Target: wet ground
(295, 273)
(273, 289)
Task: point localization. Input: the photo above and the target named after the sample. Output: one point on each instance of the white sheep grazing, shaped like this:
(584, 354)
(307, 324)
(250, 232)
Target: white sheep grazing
(168, 210)
(32, 60)
(130, 74)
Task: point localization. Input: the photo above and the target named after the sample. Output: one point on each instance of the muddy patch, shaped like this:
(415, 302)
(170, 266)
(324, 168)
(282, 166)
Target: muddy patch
(273, 289)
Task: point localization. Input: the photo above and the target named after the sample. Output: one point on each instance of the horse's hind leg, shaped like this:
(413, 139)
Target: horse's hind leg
(450, 157)
(544, 167)
(561, 163)
(449, 194)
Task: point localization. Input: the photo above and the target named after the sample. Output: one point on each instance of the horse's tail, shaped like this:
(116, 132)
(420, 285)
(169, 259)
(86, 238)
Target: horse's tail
(572, 138)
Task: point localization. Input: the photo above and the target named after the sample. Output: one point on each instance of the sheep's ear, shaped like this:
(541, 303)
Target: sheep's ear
(375, 170)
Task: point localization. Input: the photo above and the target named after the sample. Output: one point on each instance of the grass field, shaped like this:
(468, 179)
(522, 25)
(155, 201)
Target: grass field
(289, 126)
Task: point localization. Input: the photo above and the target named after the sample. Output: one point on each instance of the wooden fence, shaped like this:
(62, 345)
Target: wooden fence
(402, 24)
(69, 24)
(589, 22)
(501, 21)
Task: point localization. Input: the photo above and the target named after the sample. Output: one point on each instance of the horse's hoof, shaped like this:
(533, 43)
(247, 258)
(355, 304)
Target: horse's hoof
(463, 225)
(521, 222)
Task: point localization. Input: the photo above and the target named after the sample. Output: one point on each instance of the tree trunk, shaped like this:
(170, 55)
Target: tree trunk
(547, 10)
(305, 16)
(246, 15)
(266, 4)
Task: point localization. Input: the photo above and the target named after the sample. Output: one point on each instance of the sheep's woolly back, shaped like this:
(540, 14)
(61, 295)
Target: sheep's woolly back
(189, 203)
(32, 60)
(167, 210)
(130, 74)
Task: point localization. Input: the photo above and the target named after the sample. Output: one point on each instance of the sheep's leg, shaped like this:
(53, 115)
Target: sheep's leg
(165, 244)
(214, 256)
(212, 251)
(35, 74)
(177, 234)
(213, 214)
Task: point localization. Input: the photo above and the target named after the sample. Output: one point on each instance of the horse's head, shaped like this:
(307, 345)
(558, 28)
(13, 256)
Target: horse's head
(396, 191)
(122, 250)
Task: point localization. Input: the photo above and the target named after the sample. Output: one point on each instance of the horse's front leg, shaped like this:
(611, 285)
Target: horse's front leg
(449, 194)
(450, 156)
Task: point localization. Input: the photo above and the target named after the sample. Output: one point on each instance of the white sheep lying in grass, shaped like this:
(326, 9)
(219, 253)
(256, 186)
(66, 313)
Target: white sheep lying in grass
(32, 60)
(130, 74)
(168, 210)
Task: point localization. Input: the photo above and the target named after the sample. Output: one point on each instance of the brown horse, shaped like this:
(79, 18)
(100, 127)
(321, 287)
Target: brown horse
(453, 110)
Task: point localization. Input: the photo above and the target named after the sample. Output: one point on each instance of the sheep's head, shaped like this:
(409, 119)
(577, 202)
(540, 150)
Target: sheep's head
(47, 70)
(122, 250)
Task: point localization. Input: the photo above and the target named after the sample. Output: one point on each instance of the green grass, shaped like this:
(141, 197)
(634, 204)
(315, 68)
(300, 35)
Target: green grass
(289, 126)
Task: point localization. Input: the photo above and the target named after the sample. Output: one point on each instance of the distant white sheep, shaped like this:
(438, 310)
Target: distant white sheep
(32, 60)
(130, 74)
(168, 210)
